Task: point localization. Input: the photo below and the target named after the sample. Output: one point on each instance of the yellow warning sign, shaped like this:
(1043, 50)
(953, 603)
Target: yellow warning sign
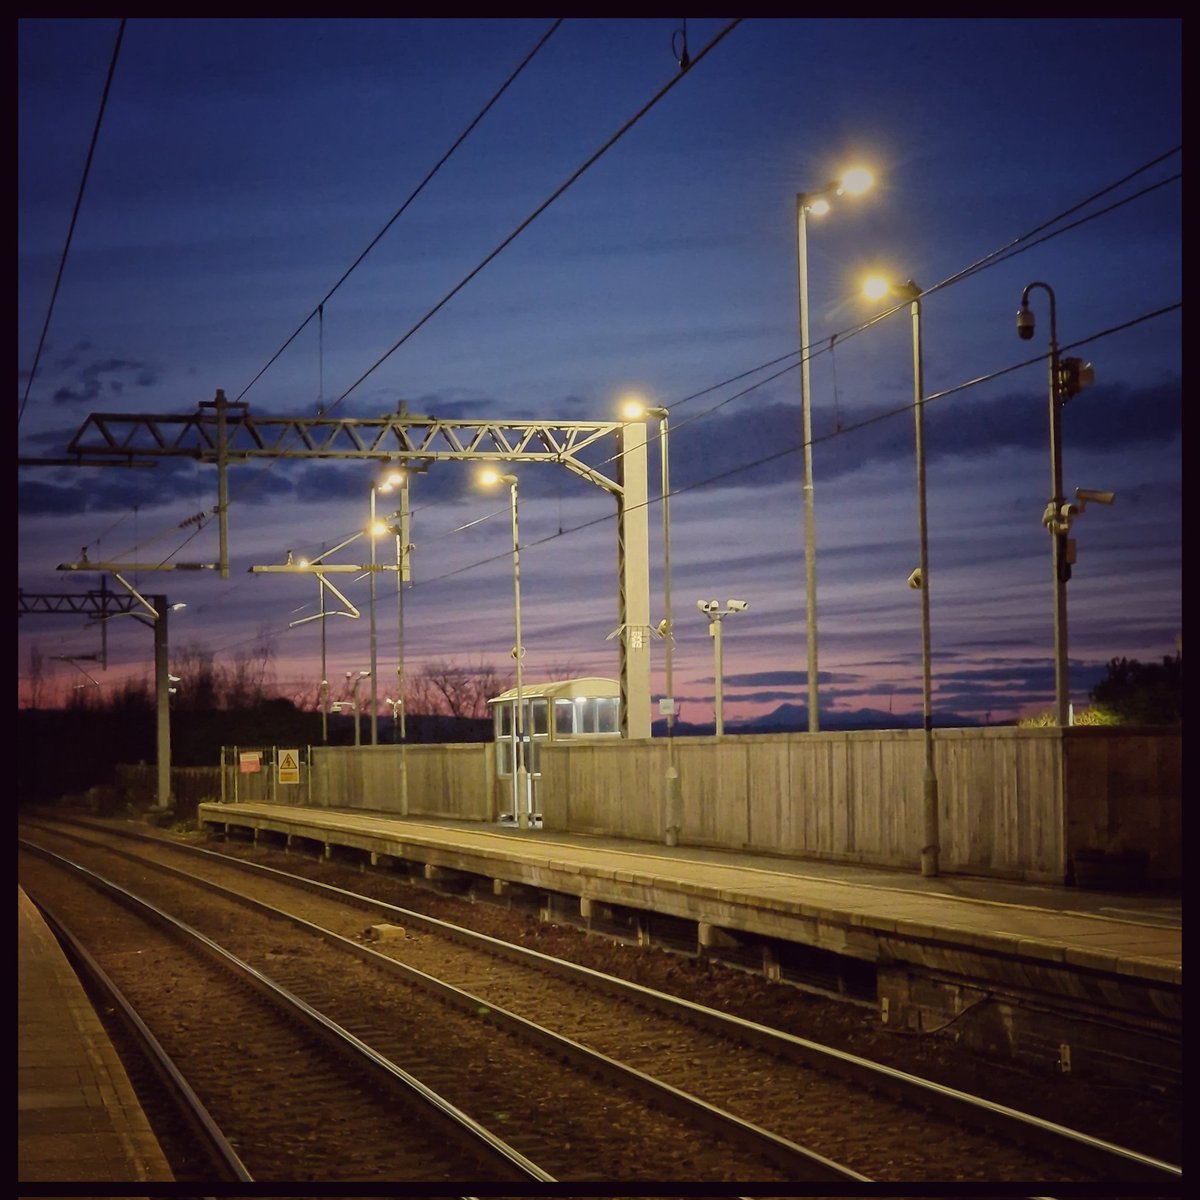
(287, 766)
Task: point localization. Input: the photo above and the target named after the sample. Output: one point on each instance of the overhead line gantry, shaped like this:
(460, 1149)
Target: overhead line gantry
(225, 433)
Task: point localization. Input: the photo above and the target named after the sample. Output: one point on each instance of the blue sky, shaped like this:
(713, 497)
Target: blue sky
(242, 166)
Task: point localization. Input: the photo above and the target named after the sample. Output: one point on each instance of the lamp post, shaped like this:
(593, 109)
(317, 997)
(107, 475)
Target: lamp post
(353, 702)
(323, 691)
(374, 659)
(1067, 376)
(400, 479)
(397, 707)
(875, 289)
(852, 183)
(716, 615)
(673, 816)
(522, 806)
(376, 528)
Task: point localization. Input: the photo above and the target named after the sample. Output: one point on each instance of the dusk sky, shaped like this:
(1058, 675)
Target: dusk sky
(241, 167)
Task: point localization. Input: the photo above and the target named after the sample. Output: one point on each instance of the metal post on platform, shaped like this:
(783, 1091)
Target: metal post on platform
(522, 798)
(875, 288)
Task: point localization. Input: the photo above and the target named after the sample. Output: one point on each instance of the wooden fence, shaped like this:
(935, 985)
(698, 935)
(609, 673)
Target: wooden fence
(1013, 803)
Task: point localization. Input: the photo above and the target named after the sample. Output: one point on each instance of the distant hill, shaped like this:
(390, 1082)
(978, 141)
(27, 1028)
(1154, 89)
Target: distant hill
(793, 718)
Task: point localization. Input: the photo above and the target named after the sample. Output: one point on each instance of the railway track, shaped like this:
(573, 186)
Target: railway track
(582, 1116)
(192, 1141)
(847, 1114)
(260, 1059)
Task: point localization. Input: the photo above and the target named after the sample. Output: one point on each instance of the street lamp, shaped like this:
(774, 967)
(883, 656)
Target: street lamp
(376, 529)
(397, 707)
(352, 703)
(876, 288)
(1067, 376)
(522, 801)
(852, 183)
(395, 478)
(716, 615)
(634, 410)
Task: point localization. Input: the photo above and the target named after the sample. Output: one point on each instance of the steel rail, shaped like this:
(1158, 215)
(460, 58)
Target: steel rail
(798, 1162)
(187, 1103)
(488, 1143)
(1026, 1128)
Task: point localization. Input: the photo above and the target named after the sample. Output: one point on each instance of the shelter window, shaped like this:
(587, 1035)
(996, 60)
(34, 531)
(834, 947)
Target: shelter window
(607, 715)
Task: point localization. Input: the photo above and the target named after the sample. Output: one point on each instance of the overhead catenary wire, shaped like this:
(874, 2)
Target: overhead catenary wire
(721, 476)
(541, 208)
(1104, 191)
(462, 137)
(87, 167)
(319, 311)
(1017, 245)
(796, 448)
(537, 212)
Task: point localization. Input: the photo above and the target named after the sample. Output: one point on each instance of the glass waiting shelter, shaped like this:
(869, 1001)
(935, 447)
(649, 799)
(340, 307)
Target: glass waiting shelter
(564, 710)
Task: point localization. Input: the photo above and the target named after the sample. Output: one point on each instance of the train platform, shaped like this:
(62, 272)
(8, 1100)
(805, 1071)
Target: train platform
(78, 1117)
(1135, 934)
(1096, 975)
(1052, 971)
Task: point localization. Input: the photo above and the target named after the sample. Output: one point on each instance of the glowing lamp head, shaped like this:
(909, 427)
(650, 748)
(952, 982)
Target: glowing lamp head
(819, 207)
(876, 287)
(489, 477)
(856, 181)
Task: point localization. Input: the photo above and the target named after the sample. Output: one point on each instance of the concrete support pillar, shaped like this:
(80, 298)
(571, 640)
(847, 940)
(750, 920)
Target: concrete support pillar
(771, 967)
(633, 584)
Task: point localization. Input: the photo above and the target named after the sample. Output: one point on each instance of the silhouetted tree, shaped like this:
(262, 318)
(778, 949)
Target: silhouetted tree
(247, 681)
(199, 683)
(1136, 693)
(455, 690)
(36, 676)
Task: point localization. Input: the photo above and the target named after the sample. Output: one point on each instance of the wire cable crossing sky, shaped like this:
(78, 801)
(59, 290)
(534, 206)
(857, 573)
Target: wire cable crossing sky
(612, 211)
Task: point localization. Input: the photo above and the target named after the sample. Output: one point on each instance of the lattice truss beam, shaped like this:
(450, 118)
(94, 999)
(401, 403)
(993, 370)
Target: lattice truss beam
(232, 435)
(225, 433)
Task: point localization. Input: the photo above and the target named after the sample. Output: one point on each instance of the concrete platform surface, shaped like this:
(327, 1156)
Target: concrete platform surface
(78, 1117)
(1138, 935)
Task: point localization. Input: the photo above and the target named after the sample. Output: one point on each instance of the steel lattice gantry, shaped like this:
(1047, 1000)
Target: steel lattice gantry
(224, 433)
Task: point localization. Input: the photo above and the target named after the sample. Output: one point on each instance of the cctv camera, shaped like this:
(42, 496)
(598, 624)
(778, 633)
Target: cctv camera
(1088, 496)
(1025, 323)
(914, 580)
(738, 606)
